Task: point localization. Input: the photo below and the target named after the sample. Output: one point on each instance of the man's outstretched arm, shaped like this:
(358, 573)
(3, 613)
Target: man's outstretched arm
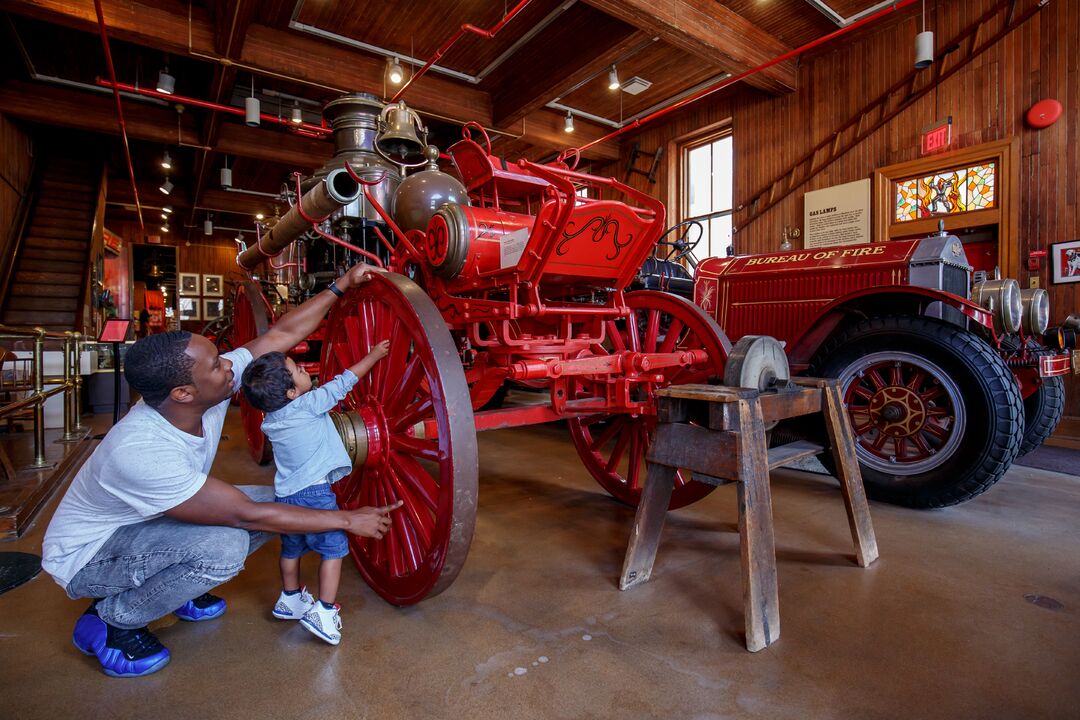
(218, 503)
(298, 324)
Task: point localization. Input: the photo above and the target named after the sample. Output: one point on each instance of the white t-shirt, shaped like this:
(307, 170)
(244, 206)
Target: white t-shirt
(144, 466)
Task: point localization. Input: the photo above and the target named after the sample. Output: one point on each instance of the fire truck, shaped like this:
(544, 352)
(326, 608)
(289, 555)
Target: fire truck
(946, 382)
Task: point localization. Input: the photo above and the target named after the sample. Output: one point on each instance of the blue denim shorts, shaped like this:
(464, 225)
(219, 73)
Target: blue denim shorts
(331, 544)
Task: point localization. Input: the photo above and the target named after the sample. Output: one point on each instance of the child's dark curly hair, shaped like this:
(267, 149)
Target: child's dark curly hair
(266, 381)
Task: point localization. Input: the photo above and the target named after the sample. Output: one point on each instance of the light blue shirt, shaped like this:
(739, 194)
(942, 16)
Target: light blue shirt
(307, 448)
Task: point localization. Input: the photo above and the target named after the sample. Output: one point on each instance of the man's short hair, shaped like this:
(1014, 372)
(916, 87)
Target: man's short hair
(158, 363)
(267, 382)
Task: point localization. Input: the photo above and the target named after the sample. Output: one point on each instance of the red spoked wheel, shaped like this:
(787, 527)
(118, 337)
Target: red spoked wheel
(613, 446)
(419, 384)
(252, 317)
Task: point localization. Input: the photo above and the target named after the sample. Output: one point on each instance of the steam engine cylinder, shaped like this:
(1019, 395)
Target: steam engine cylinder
(465, 241)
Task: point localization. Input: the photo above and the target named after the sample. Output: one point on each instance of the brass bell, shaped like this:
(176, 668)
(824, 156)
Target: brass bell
(397, 140)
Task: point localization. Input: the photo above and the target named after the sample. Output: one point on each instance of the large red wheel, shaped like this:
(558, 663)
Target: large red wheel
(420, 384)
(613, 446)
(252, 317)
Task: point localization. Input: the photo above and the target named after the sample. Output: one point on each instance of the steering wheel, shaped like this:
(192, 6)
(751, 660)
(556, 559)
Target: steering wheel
(682, 246)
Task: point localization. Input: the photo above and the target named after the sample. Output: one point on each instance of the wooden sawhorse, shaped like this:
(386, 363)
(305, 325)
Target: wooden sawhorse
(718, 433)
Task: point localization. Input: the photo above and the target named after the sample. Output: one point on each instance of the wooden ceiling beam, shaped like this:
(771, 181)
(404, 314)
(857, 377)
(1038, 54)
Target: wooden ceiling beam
(712, 32)
(267, 51)
(545, 128)
(236, 203)
(47, 105)
(589, 42)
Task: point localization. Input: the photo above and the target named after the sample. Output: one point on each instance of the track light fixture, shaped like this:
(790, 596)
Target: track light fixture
(568, 122)
(166, 161)
(613, 79)
(259, 216)
(167, 186)
(924, 44)
(208, 226)
(164, 228)
(297, 115)
(252, 111)
(226, 175)
(394, 73)
(166, 210)
(166, 83)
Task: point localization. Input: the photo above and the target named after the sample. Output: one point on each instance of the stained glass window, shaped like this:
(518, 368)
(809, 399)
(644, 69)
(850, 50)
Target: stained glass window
(946, 193)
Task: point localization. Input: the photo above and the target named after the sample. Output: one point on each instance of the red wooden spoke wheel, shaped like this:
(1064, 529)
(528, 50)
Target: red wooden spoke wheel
(252, 317)
(419, 384)
(613, 446)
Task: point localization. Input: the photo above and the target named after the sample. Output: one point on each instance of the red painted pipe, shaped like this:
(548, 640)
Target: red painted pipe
(465, 27)
(736, 78)
(119, 109)
(302, 128)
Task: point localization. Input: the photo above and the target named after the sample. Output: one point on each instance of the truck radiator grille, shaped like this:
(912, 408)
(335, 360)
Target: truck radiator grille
(955, 281)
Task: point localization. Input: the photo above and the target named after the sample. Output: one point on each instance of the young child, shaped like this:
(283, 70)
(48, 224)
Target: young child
(310, 456)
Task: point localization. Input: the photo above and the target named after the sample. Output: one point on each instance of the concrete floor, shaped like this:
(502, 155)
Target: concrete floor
(942, 626)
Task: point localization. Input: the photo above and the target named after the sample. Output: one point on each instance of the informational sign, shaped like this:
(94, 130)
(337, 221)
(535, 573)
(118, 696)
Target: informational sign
(838, 215)
(511, 246)
(113, 242)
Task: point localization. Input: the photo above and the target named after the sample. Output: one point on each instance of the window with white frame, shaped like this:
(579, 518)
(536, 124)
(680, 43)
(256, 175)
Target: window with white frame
(706, 179)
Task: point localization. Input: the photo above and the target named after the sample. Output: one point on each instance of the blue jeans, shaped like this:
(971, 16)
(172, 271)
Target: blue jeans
(147, 570)
(331, 544)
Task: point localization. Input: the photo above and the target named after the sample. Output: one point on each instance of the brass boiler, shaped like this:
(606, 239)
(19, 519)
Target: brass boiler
(354, 119)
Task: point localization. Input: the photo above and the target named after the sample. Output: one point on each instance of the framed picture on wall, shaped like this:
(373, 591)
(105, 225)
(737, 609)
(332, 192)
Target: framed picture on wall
(212, 308)
(211, 285)
(188, 284)
(1065, 261)
(189, 308)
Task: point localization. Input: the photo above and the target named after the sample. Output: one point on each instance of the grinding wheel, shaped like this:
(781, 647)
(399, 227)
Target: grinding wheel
(756, 361)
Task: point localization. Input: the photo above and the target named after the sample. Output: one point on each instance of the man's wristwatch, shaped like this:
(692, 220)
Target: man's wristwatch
(332, 287)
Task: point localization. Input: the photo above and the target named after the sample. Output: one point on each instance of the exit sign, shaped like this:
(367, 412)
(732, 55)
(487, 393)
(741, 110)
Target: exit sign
(936, 138)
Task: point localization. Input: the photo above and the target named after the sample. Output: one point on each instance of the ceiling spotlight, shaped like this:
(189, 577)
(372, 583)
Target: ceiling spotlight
(239, 237)
(259, 216)
(164, 228)
(208, 226)
(924, 44)
(166, 210)
(613, 79)
(394, 73)
(166, 161)
(297, 115)
(251, 108)
(568, 122)
(226, 177)
(165, 216)
(167, 186)
(166, 83)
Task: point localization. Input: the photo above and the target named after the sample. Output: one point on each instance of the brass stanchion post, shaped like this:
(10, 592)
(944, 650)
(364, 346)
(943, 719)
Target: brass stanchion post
(39, 402)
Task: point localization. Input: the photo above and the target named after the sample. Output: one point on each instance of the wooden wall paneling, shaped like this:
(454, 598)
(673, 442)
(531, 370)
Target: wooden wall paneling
(16, 166)
(987, 100)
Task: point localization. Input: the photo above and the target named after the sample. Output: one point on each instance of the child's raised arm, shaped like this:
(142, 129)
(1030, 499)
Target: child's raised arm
(377, 353)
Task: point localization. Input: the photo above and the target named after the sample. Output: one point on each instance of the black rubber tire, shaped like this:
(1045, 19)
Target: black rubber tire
(1044, 407)
(993, 406)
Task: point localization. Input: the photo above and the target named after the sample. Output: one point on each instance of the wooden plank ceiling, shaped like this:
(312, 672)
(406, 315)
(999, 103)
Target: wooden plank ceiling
(553, 56)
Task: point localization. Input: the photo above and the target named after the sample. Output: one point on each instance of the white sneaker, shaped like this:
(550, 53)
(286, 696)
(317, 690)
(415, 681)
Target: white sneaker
(323, 623)
(293, 607)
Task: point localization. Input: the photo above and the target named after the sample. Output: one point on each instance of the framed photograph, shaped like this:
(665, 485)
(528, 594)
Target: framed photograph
(212, 308)
(1065, 262)
(188, 284)
(211, 285)
(189, 308)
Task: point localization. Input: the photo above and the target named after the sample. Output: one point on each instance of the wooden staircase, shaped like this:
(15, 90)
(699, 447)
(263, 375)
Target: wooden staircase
(49, 271)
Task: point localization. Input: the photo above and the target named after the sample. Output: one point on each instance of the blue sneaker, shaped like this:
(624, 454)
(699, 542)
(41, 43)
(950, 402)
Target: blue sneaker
(204, 607)
(122, 653)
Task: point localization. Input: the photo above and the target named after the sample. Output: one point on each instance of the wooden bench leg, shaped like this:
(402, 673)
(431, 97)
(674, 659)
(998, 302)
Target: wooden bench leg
(842, 438)
(648, 523)
(761, 606)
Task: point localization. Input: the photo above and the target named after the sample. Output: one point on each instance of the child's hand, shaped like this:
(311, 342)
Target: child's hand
(379, 351)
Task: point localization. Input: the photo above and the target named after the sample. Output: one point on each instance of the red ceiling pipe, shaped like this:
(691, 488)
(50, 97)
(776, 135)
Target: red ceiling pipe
(465, 27)
(736, 78)
(305, 128)
(119, 110)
